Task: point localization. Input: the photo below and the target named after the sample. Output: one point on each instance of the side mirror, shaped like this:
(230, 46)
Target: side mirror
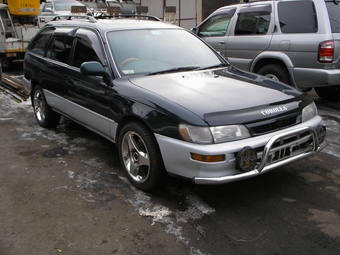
(93, 68)
(194, 30)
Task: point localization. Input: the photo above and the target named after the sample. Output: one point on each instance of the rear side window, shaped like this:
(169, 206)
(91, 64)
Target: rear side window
(40, 42)
(216, 25)
(334, 16)
(61, 49)
(297, 17)
(253, 20)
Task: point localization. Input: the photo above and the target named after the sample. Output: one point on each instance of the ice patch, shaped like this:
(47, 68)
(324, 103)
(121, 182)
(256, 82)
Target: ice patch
(71, 174)
(195, 210)
(328, 221)
(157, 212)
(92, 163)
(61, 161)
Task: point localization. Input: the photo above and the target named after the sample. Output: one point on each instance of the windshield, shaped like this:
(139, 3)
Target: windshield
(66, 5)
(152, 51)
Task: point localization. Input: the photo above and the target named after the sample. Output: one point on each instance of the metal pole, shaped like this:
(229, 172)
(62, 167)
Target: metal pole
(179, 13)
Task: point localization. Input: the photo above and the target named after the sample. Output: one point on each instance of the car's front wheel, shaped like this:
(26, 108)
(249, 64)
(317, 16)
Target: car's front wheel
(328, 93)
(140, 157)
(44, 114)
(275, 72)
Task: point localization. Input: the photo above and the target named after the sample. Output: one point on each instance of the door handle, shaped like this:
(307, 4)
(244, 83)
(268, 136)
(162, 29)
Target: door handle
(221, 42)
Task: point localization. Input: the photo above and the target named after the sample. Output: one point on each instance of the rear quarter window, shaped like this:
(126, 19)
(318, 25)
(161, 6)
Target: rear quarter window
(40, 42)
(334, 16)
(297, 17)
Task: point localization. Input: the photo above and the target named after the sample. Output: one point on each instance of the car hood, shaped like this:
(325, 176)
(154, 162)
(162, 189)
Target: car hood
(225, 95)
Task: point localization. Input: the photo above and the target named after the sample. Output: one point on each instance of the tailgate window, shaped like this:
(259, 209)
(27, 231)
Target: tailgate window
(334, 16)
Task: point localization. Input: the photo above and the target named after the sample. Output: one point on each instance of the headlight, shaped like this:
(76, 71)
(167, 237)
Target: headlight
(229, 133)
(196, 134)
(209, 135)
(309, 112)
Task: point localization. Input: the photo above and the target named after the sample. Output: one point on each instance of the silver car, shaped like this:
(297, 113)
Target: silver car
(52, 8)
(295, 41)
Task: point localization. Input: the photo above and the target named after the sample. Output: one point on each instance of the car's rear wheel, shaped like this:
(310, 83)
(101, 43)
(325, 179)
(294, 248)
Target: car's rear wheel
(44, 114)
(140, 157)
(331, 93)
(275, 72)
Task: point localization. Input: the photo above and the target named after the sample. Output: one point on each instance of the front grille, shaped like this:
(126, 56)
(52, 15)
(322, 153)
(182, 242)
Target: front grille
(271, 125)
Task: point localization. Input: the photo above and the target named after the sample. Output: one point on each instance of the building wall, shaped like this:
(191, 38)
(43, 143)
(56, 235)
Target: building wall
(189, 13)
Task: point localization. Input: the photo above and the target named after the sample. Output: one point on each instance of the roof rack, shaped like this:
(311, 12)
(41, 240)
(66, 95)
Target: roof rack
(103, 15)
(71, 17)
(93, 19)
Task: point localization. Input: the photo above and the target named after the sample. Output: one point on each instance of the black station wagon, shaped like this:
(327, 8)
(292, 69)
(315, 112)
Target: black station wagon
(171, 103)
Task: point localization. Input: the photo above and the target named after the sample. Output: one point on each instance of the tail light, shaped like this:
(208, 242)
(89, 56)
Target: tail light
(326, 51)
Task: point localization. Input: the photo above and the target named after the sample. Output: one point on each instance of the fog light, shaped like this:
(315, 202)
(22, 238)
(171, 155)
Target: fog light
(321, 130)
(246, 159)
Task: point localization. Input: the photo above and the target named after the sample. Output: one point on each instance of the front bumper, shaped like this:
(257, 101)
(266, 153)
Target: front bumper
(273, 150)
(268, 150)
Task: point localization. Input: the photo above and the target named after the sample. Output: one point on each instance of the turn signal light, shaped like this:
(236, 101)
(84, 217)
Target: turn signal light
(208, 158)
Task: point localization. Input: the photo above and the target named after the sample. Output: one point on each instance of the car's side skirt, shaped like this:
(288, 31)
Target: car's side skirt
(85, 117)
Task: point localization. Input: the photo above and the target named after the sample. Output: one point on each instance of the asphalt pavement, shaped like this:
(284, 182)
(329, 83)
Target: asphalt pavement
(63, 191)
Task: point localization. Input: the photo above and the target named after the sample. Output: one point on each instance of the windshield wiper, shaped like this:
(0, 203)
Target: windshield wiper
(214, 66)
(177, 69)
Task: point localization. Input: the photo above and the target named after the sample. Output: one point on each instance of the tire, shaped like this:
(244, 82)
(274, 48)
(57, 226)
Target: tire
(140, 157)
(275, 72)
(44, 114)
(331, 94)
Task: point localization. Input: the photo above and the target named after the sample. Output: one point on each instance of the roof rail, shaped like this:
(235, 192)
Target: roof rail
(93, 19)
(103, 15)
(71, 17)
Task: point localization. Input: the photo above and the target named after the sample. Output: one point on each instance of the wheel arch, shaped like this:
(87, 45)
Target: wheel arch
(126, 119)
(267, 58)
(34, 83)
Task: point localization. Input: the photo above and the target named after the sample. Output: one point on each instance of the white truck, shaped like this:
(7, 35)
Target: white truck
(17, 27)
(20, 20)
